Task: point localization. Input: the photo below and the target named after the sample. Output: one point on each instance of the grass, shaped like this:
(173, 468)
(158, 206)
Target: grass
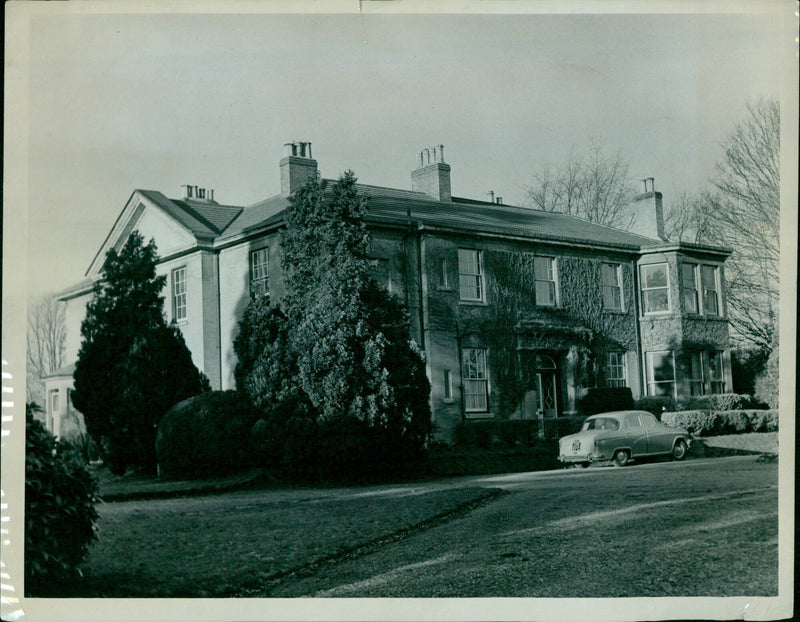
(225, 545)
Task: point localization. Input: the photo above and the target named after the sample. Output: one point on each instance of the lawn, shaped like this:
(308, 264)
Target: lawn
(229, 544)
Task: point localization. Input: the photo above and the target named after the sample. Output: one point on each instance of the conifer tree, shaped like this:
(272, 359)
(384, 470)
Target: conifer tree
(131, 365)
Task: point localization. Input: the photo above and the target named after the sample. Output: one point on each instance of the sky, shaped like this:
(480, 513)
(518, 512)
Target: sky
(153, 101)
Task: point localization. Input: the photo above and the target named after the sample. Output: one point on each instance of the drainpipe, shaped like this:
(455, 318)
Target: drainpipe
(461, 374)
(638, 333)
(421, 293)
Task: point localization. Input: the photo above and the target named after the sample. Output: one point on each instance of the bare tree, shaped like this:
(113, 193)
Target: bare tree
(688, 217)
(594, 186)
(46, 337)
(746, 217)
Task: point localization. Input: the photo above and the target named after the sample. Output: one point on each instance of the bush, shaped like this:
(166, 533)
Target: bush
(767, 382)
(209, 434)
(562, 426)
(656, 405)
(506, 433)
(60, 514)
(722, 401)
(606, 400)
(711, 423)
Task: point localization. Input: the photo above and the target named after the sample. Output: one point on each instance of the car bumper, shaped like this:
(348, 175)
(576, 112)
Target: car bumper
(578, 459)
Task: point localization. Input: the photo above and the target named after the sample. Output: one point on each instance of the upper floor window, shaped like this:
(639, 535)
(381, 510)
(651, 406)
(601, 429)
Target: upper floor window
(470, 274)
(179, 294)
(689, 287)
(259, 272)
(616, 375)
(709, 276)
(655, 288)
(661, 373)
(612, 286)
(444, 281)
(544, 269)
(55, 404)
(476, 380)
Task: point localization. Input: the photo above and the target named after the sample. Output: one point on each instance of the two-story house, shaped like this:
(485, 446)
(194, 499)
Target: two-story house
(517, 310)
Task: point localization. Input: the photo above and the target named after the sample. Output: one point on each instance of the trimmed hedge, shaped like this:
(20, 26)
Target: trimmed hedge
(208, 434)
(606, 400)
(657, 405)
(714, 423)
(720, 402)
(512, 432)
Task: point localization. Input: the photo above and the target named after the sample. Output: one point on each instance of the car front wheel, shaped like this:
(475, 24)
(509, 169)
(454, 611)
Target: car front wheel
(679, 450)
(621, 458)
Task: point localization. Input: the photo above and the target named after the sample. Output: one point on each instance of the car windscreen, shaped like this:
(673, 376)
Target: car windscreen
(601, 423)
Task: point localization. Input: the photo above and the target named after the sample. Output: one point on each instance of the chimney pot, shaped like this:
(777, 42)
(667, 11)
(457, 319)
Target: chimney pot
(499, 200)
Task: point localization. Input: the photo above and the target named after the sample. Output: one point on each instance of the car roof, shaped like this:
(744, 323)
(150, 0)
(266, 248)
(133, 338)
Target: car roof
(621, 413)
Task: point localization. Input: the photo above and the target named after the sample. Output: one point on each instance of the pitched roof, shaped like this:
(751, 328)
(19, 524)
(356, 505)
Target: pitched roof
(202, 218)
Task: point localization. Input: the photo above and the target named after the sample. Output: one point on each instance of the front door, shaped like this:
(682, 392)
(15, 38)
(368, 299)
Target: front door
(546, 383)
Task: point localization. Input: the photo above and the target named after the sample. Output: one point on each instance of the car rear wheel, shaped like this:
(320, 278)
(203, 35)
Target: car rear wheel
(679, 450)
(621, 458)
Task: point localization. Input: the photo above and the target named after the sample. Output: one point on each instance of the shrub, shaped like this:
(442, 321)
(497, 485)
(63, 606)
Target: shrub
(763, 420)
(562, 426)
(485, 434)
(606, 400)
(766, 388)
(722, 401)
(208, 434)
(60, 514)
(711, 423)
(656, 404)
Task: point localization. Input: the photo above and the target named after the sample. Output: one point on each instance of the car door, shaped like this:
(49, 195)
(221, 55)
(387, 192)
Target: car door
(636, 434)
(659, 436)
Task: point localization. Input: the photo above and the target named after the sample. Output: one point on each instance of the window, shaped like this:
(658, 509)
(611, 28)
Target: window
(715, 372)
(55, 406)
(616, 375)
(444, 282)
(655, 288)
(470, 275)
(259, 273)
(710, 290)
(612, 288)
(689, 286)
(545, 274)
(476, 380)
(660, 373)
(179, 294)
(696, 383)
(448, 384)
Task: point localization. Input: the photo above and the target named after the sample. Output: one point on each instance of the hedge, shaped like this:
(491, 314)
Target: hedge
(208, 434)
(657, 405)
(605, 400)
(512, 432)
(713, 423)
(719, 402)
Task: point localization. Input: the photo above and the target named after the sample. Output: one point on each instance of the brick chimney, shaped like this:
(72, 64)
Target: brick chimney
(297, 166)
(647, 212)
(433, 175)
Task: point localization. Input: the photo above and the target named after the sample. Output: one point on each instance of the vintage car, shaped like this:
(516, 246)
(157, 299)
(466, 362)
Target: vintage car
(622, 436)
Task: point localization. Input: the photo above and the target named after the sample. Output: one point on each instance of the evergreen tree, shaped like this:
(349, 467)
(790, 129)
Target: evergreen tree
(335, 365)
(131, 365)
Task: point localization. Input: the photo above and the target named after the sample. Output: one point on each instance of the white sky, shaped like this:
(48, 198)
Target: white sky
(118, 102)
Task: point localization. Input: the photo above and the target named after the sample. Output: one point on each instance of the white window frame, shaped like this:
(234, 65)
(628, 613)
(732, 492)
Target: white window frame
(715, 290)
(612, 287)
(697, 385)
(259, 272)
(552, 281)
(685, 289)
(471, 271)
(644, 290)
(179, 311)
(448, 385)
(55, 401)
(716, 385)
(476, 379)
(651, 376)
(616, 361)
